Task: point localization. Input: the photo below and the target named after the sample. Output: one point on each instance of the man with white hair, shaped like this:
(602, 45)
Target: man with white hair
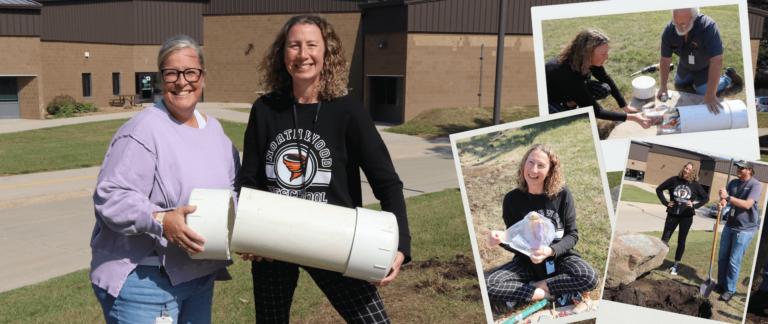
(695, 39)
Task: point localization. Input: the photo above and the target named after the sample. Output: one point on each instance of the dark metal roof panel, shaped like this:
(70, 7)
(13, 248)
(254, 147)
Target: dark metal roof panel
(88, 21)
(385, 19)
(476, 17)
(155, 21)
(638, 151)
(756, 23)
(18, 22)
(247, 7)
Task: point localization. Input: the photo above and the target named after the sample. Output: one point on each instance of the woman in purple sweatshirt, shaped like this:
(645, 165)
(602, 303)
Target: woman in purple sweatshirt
(140, 268)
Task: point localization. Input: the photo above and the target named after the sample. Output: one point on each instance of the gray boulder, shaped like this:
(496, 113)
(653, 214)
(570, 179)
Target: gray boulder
(633, 255)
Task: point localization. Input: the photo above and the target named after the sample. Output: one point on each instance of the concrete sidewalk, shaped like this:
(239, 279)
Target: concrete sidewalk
(46, 218)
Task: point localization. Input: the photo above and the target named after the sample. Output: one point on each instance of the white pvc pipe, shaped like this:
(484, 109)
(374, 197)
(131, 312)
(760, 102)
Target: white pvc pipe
(213, 219)
(359, 243)
(697, 118)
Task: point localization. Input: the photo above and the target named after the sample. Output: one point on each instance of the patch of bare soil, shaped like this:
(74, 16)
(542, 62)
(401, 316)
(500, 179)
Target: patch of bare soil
(666, 295)
(426, 291)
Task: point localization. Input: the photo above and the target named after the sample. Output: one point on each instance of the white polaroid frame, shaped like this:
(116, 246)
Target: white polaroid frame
(614, 312)
(741, 143)
(467, 212)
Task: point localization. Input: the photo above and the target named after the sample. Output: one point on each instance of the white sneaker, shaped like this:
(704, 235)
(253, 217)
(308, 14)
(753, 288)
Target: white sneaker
(673, 270)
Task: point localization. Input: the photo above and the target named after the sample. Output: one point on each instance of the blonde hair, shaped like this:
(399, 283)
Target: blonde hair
(692, 177)
(554, 181)
(176, 43)
(579, 52)
(333, 77)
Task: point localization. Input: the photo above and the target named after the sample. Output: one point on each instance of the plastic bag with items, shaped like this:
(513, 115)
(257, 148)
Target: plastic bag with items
(530, 234)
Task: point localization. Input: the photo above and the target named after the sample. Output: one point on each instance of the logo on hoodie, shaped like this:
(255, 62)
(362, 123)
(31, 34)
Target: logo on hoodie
(299, 164)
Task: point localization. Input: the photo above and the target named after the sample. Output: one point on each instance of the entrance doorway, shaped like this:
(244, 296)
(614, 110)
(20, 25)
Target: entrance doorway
(146, 86)
(386, 98)
(9, 98)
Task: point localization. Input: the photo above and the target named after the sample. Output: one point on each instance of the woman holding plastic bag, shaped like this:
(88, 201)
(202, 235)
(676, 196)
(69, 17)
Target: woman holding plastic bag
(541, 220)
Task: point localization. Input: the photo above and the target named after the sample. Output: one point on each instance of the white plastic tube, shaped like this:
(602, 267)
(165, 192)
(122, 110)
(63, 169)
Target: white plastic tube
(359, 243)
(697, 118)
(213, 219)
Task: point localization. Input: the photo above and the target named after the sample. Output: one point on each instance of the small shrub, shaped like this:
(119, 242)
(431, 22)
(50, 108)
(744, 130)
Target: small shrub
(66, 106)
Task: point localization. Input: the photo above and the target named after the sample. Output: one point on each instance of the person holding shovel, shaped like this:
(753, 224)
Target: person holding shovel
(554, 270)
(685, 196)
(742, 194)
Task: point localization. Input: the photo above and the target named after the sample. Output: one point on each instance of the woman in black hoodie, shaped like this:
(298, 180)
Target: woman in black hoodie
(685, 196)
(307, 139)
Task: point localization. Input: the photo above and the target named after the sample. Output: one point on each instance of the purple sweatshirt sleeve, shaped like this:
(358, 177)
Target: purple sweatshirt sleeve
(121, 198)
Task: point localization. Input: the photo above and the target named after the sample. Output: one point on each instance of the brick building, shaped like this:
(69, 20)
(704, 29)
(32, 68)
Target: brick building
(406, 56)
(658, 163)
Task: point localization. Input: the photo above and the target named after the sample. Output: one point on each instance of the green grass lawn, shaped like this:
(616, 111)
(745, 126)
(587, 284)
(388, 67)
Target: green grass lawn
(422, 293)
(762, 119)
(446, 121)
(489, 165)
(635, 42)
(614, 178)
(242, 110)
(633, 193)
(70, 147)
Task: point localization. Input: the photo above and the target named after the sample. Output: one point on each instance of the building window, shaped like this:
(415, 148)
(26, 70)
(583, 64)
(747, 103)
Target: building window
(86, 85)
(116, 83)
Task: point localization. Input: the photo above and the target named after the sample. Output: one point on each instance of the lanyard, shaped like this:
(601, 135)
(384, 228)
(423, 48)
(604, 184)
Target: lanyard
(302, 158)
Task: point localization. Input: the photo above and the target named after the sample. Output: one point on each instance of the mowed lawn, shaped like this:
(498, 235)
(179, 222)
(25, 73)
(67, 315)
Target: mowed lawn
(445, 121)
(489, 165)
(635, 41)
(632, 193)
(70, 147)
(439, 286)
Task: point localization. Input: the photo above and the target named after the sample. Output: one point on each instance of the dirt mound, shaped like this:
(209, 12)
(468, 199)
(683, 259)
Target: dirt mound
(451, 276)
(666, 295)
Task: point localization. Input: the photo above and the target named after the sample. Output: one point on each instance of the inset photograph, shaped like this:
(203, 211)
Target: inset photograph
(535, 195)
(685, 232)
(673, 71)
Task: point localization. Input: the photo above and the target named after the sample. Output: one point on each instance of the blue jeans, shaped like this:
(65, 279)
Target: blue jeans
(733, 244)
(147, 292)
(724, 82)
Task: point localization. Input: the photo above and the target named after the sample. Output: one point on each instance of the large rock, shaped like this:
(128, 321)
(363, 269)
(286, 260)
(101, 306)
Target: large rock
(632, 255)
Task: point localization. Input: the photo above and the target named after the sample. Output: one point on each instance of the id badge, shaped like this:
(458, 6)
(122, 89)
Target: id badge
(550, 265)
(164, 319)
(691, 59)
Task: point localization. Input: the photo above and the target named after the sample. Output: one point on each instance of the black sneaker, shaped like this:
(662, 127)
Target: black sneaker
(726, 296)
(718, 289)
(737, 82)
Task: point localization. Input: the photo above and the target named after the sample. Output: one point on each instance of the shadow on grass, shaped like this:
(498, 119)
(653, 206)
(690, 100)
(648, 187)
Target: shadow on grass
(478, 145)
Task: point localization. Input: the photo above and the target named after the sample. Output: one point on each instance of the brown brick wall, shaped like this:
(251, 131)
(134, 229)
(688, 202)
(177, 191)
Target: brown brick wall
(233, 75)
(64, 63)
(636, 165)
(20, 55)
(755, 45)
(30, 98)
(444, 71)
(661, 167)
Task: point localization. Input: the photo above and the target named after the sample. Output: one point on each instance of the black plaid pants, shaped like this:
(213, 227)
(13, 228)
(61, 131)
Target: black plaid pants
(510, 282)
(357, 301)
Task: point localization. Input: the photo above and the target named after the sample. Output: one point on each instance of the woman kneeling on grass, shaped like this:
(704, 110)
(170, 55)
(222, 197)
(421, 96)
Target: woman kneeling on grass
(551, 271)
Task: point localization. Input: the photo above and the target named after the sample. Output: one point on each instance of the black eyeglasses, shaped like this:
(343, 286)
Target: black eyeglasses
(172, 75)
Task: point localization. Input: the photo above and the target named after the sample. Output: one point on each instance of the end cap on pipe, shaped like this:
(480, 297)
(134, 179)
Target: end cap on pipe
(374, 246)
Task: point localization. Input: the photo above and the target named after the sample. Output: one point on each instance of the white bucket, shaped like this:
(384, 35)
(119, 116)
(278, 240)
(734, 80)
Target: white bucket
(643, 87)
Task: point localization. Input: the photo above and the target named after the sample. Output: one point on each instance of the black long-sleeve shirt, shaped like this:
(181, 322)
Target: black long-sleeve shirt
(681, 190)
(564, 85)
(336, 141)
(561, 211)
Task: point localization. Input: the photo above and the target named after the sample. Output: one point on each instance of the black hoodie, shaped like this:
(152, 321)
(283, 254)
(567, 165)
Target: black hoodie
(680, 191)
(337, 138)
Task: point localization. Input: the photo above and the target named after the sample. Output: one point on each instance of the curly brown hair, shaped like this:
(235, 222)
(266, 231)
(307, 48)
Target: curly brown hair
(333, 77)
(579, 51)
(692, 177)
(555, 180)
